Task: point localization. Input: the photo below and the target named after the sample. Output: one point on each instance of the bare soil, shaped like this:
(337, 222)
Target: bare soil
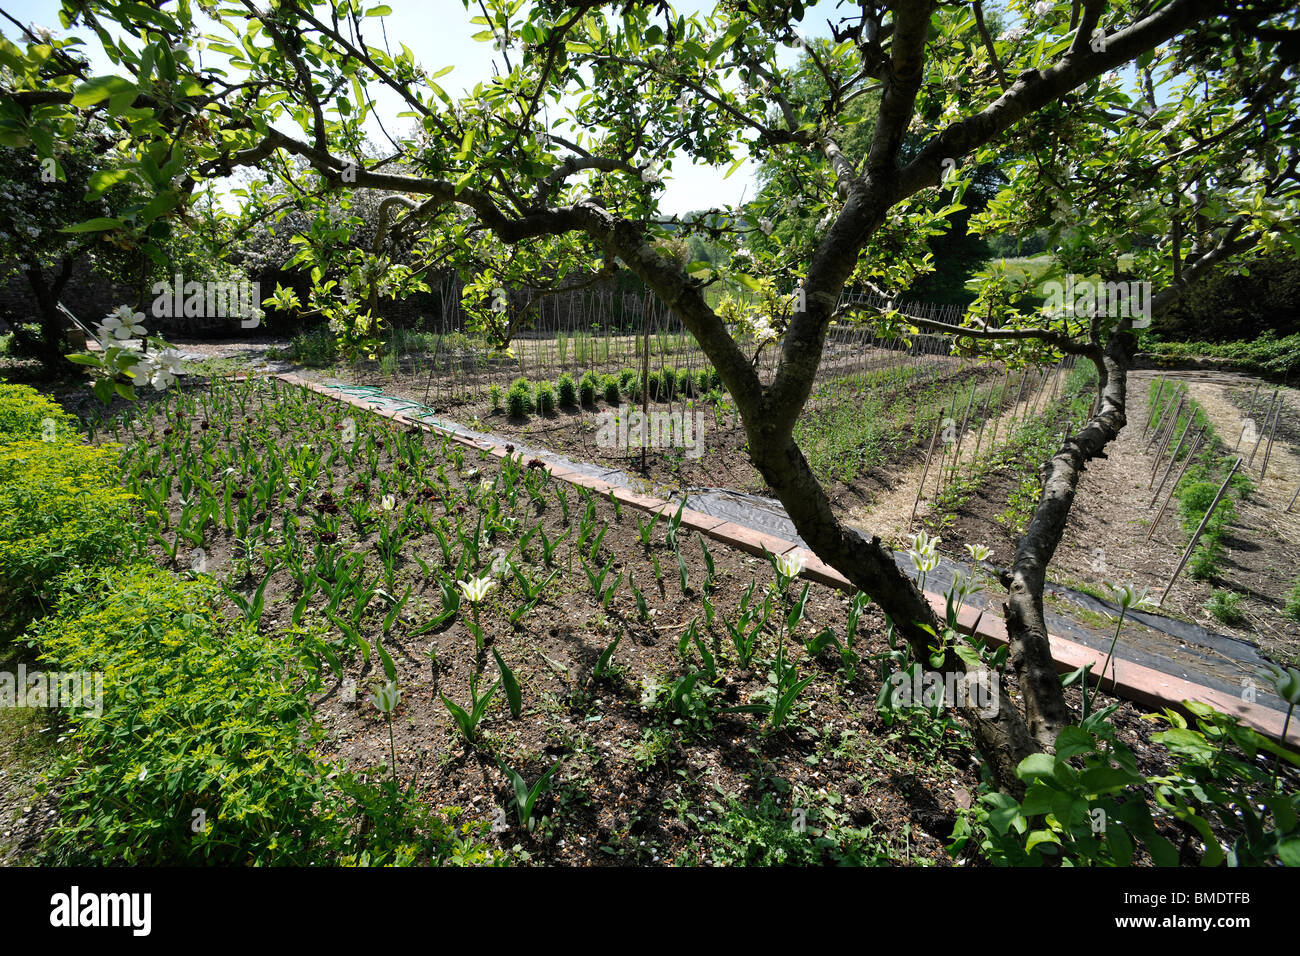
(1106, 537)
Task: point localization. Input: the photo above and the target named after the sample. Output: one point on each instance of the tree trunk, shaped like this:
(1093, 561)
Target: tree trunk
(1000, 734)
(47, 344)
(1026, 628)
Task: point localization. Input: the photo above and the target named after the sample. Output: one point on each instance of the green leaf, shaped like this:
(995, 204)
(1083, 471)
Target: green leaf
(1036, 765)
(101, 224)
(1101, 780)
(1073, 741)
(513, 694)
(390, 670)
(1289, 852)
(1041, 836)
(99, 88)
(102, 180)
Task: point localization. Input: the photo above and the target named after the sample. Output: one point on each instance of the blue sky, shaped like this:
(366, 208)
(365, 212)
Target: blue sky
(439, 33)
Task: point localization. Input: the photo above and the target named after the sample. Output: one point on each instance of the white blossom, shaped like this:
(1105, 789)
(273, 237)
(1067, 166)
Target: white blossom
(790, 565)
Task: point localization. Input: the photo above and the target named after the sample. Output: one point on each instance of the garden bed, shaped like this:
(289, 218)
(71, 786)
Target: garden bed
(648, 769)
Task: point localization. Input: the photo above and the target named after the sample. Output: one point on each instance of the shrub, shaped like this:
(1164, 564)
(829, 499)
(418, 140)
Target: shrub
(1266, 354)
(545, 398)
(567, 390)
(610, 387)
(519, 400)
(655, 386)
(1293, 601)
(61, 507)
(685, 382)
(26, 413)
(702, 384)
(204, 750)
(626, 379)
(317, 348)
(667, 384)
(587, 387)
(494, 393)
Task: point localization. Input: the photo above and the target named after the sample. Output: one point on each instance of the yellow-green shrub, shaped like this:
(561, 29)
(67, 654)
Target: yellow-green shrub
(199, 732)
(61, 507)
(204, 750)
(26, 413)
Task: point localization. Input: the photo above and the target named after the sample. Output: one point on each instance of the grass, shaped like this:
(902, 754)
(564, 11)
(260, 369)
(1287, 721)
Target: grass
(1267, 355)
(1024, 452)
(857, 422)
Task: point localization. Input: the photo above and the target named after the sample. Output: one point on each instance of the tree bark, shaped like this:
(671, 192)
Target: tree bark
(1030, 650)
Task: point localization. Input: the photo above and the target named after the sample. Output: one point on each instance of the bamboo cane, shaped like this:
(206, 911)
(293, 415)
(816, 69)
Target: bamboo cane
(1191, 454)
(1199, 529)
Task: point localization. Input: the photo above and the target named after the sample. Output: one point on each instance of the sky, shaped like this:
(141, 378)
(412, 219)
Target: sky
(439, 34)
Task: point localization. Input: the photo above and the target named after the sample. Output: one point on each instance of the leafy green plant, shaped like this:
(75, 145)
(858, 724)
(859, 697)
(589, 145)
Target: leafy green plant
(514, 696)
(799, 830)
(1085, 804)
(610, 389)
(524, 798)
(518, 403)
(604, 661)
(168, 772)
(566, 390)
(467, 720)
(545, 398)
(1226, 607)
(61, 508)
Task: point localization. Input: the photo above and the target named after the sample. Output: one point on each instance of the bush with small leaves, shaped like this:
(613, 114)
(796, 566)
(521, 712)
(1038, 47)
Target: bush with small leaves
(685, 382)
(566, 390)
(494, 393)
(545, 398)
(519, 400)
(610, 388)
(655, 385)
(668, 384)
(625, 380)
(588, 385)
(518, 403)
